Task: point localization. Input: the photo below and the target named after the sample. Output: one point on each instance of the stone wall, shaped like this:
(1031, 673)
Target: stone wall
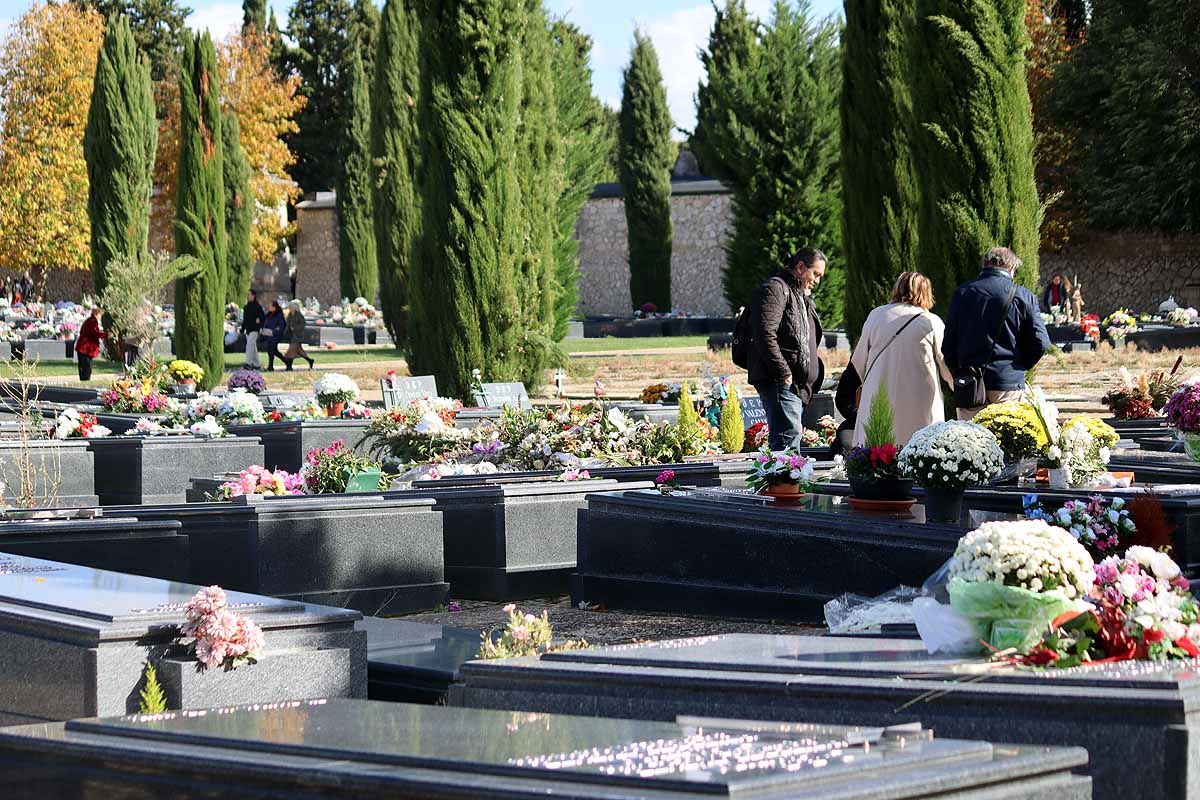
(702, 215)
(1130, 270)
(318, 270)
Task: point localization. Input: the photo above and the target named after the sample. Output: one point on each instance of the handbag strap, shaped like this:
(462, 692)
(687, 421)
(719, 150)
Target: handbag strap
(895, 336)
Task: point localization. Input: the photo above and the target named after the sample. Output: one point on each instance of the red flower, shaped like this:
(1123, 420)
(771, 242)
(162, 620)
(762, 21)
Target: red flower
(1041, 656)
(1118, 644)
(884, 454)
(1185, 644)
(1152, 635)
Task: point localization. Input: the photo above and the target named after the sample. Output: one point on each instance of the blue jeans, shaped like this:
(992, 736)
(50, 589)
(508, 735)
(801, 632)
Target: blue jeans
(785, 414)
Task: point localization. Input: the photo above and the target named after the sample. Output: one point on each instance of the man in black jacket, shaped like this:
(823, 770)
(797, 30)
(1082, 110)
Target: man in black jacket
(252, 322)
(974, 318)
(783, 364)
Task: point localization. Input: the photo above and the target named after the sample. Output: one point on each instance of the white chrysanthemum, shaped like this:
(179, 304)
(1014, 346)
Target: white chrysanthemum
(1027, 553)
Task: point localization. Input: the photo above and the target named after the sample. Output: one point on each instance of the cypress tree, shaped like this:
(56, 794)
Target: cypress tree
(733, 428)
(200, 212)
(787, 141)
(239, 210)
(359, 276)
(394, 158)
(119, 144)
(726, 60)
(879, 181)
(582, 128)
(539, 175)
(159, 28)
(465, 303)
(647, 155)
(975, 139)
(254, 15)
(364, 34)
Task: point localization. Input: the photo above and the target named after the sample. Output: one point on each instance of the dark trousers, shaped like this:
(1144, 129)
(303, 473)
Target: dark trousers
(85, 367)
(272, 348)
(785, 414)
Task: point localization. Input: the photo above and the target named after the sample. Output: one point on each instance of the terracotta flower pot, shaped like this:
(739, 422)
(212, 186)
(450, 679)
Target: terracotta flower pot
(334, 409)
(783, 492)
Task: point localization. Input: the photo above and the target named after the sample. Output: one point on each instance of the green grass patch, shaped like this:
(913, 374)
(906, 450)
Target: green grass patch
(611, 344)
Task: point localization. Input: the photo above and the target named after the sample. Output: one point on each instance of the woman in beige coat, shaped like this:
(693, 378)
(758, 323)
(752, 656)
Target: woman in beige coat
(901, 349)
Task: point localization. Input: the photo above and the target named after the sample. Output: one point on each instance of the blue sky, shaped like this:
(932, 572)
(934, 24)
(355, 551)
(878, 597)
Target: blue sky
(678, 28)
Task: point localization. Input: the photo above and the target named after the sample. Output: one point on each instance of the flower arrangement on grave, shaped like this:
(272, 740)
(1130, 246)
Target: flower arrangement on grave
(658, 393)
(333, 391)
(1183, 414)
(185, 372)
(946, 458)
(238, 407)
(782, 475)
(1078, 452)
(1120, 324)
(134, 396)
(821, 436)
(757, 436)
(356, 410)
(419, 432)
(260, 480)
(1102, 525)
(1181, 317)
(328, 470)
(248, 380)
(665, 481)
(1142, 610)
(574, 474)
(1011, 579)
(874, 469)
(523, 635)
(1016, 427)
(220, 637)
(71, 424)
(150, 370)
(1089, 326)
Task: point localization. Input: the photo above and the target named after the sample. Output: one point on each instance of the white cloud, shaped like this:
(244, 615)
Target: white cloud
(219, 19)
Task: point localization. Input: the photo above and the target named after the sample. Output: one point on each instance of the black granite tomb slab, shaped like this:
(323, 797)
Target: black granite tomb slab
(156, 549)
(51, 393)
(1139, 429)
(370, 552)
(507, 541)
(1152, 339)
(121, 424)
(410, 662)
(1161, 444)
(1124, 714)
(1156, 467)
(74, 642)
(61, 472)
(132, 470)
(736, 556)
(362, 749)
(285, 444)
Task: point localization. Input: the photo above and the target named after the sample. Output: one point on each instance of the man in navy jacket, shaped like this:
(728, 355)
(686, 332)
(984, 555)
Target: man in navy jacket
(973, 319)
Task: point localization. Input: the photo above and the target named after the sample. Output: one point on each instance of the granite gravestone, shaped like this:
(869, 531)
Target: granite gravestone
(362, 749)
(74, 642)
(752, 411)
(411, 662)
(399, 392)
(1132, 713)
(155, 548)
(285, 444)
(132, 470)
(60, 472)
(733, 554)
(503, 395)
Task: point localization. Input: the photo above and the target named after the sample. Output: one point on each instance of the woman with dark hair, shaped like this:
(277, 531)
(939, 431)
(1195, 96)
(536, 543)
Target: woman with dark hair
(273, 330)
(1057, 296)
(900, 351)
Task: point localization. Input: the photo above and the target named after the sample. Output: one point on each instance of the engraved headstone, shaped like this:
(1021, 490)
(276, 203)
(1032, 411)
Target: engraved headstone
(402, 391)
(511, 394)
(753, 411)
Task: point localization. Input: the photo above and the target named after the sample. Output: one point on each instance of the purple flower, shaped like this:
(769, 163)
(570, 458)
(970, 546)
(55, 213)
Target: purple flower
(454, 607)
(247, 379)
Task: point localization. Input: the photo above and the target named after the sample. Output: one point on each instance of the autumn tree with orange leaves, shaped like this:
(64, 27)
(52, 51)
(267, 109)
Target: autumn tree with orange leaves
(47, 64)
(266, 105)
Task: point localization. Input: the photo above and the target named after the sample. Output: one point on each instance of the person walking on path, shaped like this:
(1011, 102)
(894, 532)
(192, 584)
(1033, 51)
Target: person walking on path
(900, 349)
(783, 364)
(87, 344)
(252, 322)
(295, 336)
(274, 331)
(994, 333)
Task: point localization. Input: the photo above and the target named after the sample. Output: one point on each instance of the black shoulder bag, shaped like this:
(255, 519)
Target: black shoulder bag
(970, 391)
(895, 336)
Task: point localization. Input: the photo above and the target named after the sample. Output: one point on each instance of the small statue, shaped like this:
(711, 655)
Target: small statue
(1076, 301)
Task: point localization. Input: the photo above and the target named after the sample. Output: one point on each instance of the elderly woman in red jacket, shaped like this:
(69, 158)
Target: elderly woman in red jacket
(87, 345)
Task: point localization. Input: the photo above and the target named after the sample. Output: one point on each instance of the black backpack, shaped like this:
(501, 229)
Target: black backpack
(742, 339)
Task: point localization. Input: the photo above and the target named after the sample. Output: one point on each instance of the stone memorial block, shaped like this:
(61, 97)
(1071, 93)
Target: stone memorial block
(735, 554)
(51, 393)
(74, 642)
(121, 424)
(156, 549)
(60, 472)
(45, 349)
(401, 391)
(285, 444)
(321, 335)
(364, 749)
(6, 351)
(132, 470)
(506, 541)
(410, 662)
(374, 553)
(470, 418)
(1156, 467)
(503, 395)
(1139, 713)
